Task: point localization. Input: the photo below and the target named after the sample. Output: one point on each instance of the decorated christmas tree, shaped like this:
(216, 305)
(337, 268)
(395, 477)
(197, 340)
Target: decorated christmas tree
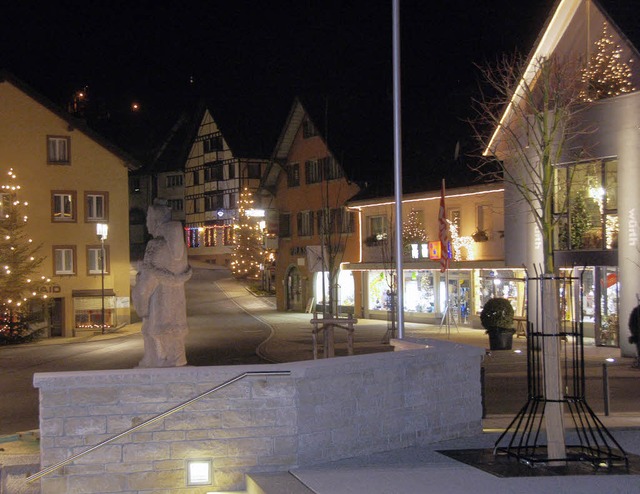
(413, 230)
(248, 253)
(606, 73)
(18, 262)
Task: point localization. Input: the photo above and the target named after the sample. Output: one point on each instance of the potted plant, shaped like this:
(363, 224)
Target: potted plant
(480, 236)
(497, 318)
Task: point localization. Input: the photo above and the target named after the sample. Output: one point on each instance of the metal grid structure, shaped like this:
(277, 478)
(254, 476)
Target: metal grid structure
(525, 437)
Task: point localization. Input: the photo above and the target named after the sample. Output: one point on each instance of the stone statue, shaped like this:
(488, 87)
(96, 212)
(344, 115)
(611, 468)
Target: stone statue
(158, 295)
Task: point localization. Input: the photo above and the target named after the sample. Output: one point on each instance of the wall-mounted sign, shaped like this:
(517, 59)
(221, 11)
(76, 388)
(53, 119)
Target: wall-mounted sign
(435, 250)
(53, 288)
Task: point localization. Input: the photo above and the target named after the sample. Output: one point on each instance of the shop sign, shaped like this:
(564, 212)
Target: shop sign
(435, 250)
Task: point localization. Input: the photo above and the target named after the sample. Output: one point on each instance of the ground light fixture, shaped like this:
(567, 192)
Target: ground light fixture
(198, 472)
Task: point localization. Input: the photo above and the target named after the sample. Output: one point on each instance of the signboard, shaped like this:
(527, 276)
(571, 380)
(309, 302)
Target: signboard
(435, 250)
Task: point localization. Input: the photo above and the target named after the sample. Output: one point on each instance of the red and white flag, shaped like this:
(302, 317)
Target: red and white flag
(443, 233)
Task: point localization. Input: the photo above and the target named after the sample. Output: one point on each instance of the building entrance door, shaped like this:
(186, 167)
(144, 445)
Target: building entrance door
(294, 293)
(56, 316)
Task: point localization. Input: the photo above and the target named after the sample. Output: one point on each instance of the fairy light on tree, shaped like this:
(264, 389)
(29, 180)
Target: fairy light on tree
(248, 253)
(18, 261)
(606, 74)
(413, 230)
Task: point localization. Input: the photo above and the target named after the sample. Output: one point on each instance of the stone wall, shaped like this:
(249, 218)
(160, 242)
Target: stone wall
(324, 410)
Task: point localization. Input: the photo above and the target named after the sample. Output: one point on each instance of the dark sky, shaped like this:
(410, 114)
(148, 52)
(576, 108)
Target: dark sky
(255, 56)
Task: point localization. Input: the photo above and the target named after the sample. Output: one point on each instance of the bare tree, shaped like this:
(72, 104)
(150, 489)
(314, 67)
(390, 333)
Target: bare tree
(532, 109)
(526, 119)
(335, 224)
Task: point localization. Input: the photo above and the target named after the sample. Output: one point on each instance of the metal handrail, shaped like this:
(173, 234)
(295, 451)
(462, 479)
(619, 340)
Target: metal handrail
(152, 420)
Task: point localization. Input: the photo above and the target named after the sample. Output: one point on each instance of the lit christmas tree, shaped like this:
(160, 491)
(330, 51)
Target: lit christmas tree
(606, 73)
(249, 252)
(18, 261)
(413, 231)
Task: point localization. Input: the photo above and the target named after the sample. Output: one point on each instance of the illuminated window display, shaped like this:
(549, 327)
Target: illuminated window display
(600, 300)
(346, 289)
(505, 283)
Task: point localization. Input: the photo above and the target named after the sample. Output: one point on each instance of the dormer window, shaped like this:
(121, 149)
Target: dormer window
(308, 129)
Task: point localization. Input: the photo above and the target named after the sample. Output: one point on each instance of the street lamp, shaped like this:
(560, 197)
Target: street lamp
(102, 229)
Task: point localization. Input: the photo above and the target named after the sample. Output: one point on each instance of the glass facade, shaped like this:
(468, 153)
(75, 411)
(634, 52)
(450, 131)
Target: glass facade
(425, 292)
(586, 206)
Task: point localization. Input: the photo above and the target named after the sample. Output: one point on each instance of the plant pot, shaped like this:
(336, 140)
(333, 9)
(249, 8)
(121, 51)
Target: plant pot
(500, 339)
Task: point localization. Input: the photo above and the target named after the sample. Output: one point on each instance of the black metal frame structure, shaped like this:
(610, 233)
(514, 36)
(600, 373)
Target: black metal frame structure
(527, 441)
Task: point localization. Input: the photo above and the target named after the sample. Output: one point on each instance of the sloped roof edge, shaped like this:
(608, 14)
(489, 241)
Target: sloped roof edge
(550, 35)
(130, 162)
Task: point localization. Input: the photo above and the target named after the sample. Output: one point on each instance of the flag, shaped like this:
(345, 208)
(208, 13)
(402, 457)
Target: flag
(443, 233)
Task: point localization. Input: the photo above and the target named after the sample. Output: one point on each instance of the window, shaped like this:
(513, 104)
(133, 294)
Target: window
(232, 200)
(586, 205)
(313, 173)
(174, 180)
(231, 170)
(293, 175)
(484, 219)
(254, 170)
(212, 144)
(175, 204)
(331, 169)
(58, 149)
(213, 171)
(345, 220)
(305, 223)
(96, 204)
(339, 221)
(454, 216)
(378, 226)
(213, 202)
(94, 259)
(63, 205)
(64, 259)
(308, 129)
(196, 177)
(284, 225)
(193, 238)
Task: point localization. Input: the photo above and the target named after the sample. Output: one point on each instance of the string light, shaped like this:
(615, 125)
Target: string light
(463, 247)
(248, 253)
(18, 258)
(606, 74)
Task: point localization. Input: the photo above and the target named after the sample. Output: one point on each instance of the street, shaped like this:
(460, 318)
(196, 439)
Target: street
(220, 333)
(226, 328)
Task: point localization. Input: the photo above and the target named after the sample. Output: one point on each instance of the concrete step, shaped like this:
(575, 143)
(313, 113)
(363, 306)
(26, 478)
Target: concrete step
(13, 475)
(19, 458)
(275, 483)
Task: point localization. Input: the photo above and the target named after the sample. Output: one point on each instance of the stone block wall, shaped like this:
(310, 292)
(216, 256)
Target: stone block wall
(324, 410)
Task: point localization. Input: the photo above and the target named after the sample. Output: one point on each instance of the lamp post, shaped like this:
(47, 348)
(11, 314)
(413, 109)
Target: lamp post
(102, 229)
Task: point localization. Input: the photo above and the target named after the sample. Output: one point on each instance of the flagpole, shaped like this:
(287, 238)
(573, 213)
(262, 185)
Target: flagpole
(445, 250)
(397, 141)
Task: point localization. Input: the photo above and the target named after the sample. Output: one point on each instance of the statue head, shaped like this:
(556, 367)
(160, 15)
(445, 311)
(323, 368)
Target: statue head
(157, 214)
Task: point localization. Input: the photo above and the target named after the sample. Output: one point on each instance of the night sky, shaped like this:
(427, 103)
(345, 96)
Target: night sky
(255, 56)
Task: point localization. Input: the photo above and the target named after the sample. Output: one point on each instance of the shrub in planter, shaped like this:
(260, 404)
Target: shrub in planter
(497, 318)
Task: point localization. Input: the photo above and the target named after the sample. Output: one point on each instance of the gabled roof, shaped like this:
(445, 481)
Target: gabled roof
(571, 30)
(346, 135)
(73, 122)
(244, 134)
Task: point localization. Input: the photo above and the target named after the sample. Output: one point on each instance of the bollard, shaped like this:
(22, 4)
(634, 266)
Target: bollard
(605, 388)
